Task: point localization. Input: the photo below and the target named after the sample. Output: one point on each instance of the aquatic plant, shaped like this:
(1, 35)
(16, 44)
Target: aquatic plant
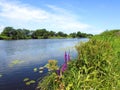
(26, 79)
(35, 69)
(55, 76)
(1, 75)
(30, 82)
(15, 62)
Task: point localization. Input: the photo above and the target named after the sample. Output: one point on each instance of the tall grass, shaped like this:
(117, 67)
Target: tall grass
(96, 67)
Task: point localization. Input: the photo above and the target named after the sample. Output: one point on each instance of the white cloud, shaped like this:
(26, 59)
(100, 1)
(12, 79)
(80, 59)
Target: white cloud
(57, 19)
(1, 28)
(21, 12)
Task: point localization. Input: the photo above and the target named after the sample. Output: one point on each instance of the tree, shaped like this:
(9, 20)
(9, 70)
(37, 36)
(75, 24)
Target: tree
(7, 31)
(26, 32)
(79, 34)
(73, 35)
(61, 34)
(52, 33)
(40, 33)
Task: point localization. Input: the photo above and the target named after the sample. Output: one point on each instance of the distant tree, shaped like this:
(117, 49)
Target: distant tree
(7, 31)
(79, 34)
(73, 35)
(26, 32)
(61, 34)
(40, 33)
(52, 33)
(11, 33)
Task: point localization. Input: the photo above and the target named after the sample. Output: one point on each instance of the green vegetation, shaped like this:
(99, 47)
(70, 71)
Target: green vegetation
(29, 82)
(1, 75)
(35, 70)
(26, 79)
(15, 62)
(9, 33)
(96, 67)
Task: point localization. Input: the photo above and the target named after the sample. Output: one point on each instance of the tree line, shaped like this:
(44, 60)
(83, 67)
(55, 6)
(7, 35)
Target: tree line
(9, 33)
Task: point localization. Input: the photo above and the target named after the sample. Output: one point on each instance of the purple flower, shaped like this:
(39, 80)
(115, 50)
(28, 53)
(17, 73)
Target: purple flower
(68, 57)
(58, 72)
(64, 67)
(65, 56)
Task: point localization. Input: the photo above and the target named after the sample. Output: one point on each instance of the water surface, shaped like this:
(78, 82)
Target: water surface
(31, 53)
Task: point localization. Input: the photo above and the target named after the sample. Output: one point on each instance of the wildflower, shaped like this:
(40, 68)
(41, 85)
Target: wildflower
(64, 67)
(68, 57)
(65, 57)
(58, 72)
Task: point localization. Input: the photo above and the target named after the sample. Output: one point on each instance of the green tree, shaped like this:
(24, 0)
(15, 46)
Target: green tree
(7, 31)
(40, 33)
(61, 34)
(73, 35)
(52, 33)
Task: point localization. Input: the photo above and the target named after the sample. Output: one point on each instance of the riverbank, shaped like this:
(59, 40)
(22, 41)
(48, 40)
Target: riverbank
(96, 67)
(9, 33)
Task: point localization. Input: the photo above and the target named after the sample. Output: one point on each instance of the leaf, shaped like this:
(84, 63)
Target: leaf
(1, 75)
(35, 69)
(30, 82)
(26, 79)
(40, 71)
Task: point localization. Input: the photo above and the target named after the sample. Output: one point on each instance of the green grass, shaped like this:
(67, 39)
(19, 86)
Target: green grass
(96, 67)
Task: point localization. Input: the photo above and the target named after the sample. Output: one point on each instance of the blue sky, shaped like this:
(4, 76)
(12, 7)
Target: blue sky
(89, 16)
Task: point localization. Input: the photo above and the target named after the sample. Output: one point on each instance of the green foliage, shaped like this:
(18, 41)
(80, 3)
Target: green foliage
(96, 67)
(5, 37)
(30, 82)
(73, 35)
(26, 79)
(80, 35)
(52, 65)
(96, 63)
(15, 34)
(7, 31)
(35, 69)
(48, 83)
(11, 33)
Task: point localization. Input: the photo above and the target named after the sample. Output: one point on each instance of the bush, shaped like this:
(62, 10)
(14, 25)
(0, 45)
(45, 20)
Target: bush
(96, 64)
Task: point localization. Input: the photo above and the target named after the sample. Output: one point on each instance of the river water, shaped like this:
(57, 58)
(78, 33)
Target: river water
(29, 54)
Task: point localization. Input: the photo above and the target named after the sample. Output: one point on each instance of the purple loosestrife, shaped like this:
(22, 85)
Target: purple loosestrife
(58, 72)
(68, 57)
(65, 57)
(64, 67)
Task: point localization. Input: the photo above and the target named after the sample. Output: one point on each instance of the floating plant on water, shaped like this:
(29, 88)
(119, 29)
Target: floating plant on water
(1, 75)
(35, 69)
(15, 62)
(26, 79)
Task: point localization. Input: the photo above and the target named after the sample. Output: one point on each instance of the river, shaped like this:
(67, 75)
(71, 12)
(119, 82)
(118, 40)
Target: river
(29, 54)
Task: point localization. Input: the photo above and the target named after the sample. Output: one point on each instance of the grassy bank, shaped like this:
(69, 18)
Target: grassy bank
(95, 68)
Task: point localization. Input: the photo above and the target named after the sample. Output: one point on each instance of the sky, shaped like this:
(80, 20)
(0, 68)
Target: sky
(88, 16)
